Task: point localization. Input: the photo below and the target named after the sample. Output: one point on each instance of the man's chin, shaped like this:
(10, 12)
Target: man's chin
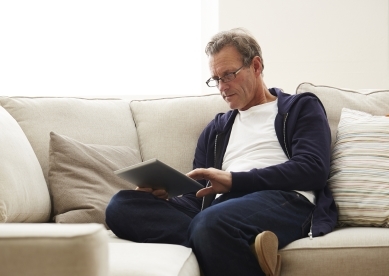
(232, 105)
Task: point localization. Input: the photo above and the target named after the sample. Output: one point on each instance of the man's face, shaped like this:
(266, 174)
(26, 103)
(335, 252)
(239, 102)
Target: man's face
(242, 92)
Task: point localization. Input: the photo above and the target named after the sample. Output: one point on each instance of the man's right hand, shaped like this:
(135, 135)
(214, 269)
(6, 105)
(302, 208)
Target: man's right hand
(160, 193)
(221, 181)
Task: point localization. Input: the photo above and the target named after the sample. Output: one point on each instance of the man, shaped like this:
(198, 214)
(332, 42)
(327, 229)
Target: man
(265, 162)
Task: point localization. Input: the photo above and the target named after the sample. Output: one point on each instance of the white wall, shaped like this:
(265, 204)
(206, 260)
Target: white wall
(107, 48)
(343, 43)
(209, 27)
(121, 47)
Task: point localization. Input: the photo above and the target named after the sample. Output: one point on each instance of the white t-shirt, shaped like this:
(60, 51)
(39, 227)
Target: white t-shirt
(253, 142)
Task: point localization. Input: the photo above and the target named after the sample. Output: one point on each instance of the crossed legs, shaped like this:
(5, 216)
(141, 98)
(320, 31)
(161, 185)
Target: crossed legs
(221, 235)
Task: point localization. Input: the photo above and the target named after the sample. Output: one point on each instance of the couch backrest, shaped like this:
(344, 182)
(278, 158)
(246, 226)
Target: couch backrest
(92, 121)
(375, 102)
(161, 128)
(168, 129)
(25, 139)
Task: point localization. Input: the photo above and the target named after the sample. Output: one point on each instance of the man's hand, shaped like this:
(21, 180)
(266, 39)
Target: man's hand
(221, 181)
(160, 193)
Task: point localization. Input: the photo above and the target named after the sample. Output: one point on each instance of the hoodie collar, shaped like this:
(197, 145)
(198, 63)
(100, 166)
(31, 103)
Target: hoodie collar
(224, 121)
(284, 100)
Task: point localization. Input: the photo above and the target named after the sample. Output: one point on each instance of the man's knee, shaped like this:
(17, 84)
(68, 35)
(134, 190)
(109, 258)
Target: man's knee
(120, 207)
(205, 228)
(112, 211)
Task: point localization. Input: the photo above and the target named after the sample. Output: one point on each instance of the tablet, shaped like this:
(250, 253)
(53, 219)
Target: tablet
(155, 174)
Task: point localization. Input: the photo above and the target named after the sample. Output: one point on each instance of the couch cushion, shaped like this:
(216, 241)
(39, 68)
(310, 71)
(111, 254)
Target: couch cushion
(82, 179)
(150, 259)
(92, 121)
(168, 129)
(375, 102)
(47, 249)
(359, 177)
(345, 251)
(23, 192)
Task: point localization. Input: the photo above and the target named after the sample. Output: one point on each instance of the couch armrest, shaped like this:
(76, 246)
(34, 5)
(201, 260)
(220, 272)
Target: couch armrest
(53, 249)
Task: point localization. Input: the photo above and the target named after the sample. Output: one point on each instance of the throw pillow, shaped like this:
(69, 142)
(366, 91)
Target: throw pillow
(359, 176)
(82, 180)
(24, 196)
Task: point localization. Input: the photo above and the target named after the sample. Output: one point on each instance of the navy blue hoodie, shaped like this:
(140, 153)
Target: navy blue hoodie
(303, 132)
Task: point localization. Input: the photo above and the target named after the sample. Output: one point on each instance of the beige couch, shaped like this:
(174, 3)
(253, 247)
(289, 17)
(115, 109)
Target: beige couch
(57, 159)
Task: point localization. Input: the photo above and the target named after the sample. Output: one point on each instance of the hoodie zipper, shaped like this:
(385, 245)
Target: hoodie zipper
(310, 229)
(214, 151)
(284, 132)
(214, 164)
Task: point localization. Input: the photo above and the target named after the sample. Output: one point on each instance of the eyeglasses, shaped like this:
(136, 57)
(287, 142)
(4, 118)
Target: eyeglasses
(212, 82)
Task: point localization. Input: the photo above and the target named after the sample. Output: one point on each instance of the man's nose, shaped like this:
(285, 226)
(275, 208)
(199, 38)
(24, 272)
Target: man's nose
(223, 86)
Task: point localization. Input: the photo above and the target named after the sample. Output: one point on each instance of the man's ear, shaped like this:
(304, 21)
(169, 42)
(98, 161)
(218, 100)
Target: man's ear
(257, 63)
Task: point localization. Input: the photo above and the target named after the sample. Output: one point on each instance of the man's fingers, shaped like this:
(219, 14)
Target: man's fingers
(198, 174)
(148, 190)
(160, 193)
(205, 191)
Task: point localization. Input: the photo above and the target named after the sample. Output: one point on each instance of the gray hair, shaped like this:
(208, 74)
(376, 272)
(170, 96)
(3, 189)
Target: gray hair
(239, 38)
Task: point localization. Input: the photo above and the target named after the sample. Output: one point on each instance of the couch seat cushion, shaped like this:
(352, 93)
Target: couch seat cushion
(152, 259)
(345, 251)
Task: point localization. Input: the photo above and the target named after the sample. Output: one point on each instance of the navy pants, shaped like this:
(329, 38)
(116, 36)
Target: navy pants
(220, 235)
